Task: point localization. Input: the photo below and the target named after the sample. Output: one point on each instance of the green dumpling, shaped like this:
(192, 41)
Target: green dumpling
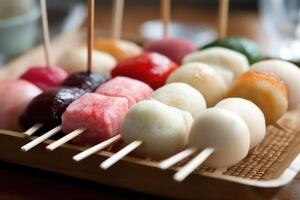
(247, 47)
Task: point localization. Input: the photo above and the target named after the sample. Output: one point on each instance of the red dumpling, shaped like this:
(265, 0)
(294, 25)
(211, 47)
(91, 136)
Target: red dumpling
(46, 78)
(131, 89)
(151, 68)
(173, 48)
(100, 115)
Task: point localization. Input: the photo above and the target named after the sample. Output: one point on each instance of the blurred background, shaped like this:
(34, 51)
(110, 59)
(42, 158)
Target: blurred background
(274, 24)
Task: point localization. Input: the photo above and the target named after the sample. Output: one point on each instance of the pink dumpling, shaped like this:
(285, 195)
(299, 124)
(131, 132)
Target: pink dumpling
(100, 115)
(15, 95)
(173, 48)
(46, 78)
(131, 89)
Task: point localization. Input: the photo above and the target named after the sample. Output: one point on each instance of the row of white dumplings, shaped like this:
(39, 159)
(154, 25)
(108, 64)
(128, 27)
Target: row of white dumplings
(229, 129)
(225, 132)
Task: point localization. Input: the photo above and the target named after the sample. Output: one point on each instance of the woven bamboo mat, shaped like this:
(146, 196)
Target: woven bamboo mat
(271, 157)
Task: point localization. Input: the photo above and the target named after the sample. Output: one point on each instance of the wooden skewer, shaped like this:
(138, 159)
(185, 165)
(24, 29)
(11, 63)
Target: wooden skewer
(118, 7)
(165, 15)
(223, 17)
(169, 162)
(90, 44)
(45, 32)
(33, 129)
(65, 139)
(90, 33)
(120, 154)
(280, 127)
(96, 148)
(289, 121)
(47, 53)
(41, 139)
(193, 164)
(220, 171)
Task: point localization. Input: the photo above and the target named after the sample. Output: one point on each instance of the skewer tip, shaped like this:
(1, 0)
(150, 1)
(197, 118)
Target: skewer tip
(120, 155)
(24, 149)
(187, 169)
(49, 148)
(178, 177)
(75, 158)
(280, 127)
(104, 166)
(88, 152)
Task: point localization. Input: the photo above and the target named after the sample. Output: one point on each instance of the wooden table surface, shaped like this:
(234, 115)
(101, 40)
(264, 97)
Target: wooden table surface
(18, 183)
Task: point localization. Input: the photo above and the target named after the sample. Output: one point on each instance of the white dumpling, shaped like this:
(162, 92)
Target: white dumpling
(224, 131)
(203, 78)
(288, 73)
(75, 60)
(227, 62)
(162, 129)
(251, 114)
(181, 96)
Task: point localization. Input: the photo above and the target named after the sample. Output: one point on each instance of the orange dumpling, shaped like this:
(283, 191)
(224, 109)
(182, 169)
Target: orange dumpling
(266, 91)
(120, 49)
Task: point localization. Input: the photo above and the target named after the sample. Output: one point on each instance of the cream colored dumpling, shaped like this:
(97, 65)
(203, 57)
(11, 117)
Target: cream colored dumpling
(224, 131)
(75, 60)
(251, 114)
(188, 119)
(227, 62)
(288, 73)
(181, 96)
(162, 129)
(203, 78)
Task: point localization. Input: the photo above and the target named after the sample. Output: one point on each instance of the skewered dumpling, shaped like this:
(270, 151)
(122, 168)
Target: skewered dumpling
(150, 67)
(15, 96)
(224, 131)
(48, 107)
(119, 49)
(203, 78)
(131, 89)
(227, 62)
(288, 73)
(46, 78)
(250, 113)
(85, 80)
(100, 115)
(265, 90)
(173, 48)
(162, 129)
(242, 45)
(181, 96)
(75, 60)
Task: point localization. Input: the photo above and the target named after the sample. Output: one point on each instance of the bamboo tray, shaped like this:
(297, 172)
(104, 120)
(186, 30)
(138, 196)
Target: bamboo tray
(273, 164)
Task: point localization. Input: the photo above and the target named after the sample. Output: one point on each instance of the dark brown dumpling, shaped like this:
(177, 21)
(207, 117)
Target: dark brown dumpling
(85, 80)
(48, 107)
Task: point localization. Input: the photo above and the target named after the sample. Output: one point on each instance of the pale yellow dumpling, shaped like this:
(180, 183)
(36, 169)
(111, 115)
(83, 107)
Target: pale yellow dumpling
(203, 78)
(181, 96)
(227, 62)
(75, 60)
